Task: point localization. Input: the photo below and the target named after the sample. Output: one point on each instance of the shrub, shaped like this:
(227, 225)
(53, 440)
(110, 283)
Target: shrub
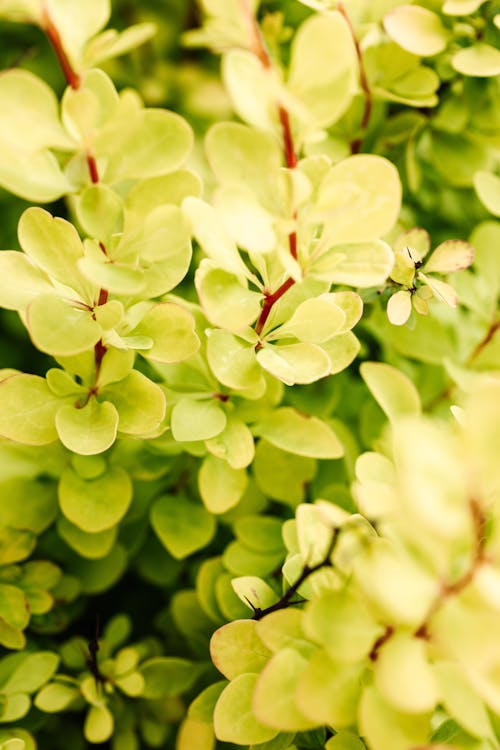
(250, 481)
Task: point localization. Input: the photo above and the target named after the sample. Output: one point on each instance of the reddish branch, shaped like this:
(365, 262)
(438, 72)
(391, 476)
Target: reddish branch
(363, 79)
(485, 341)
(260, 51)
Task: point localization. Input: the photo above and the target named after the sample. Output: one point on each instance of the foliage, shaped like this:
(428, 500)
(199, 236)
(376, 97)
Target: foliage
(250, 479)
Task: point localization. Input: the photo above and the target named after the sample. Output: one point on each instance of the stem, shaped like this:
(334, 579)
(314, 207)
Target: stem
(485, 341)
(269, 301)
(363, 80)
(286, 599)
(92, 165)
(52, 33)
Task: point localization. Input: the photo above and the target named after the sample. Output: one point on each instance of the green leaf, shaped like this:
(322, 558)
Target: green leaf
(292, 431)
(16, 545)
(25, 99)
(328, 692)
(345, 741)
(193, 733)
(254, 592)
(294, 363)
(32, 504)
(30, 280)
(416, 29)
(92, 546)
(274, 700)
(343, 625)
(316, 320)
(172, 330)
(95, 505)
(234, 444)
(341, 351)
(226, 302)
(362, 185)
(54, 245)
(13, 606)
(384, 727)
(221, 487)
(87, 430)
(197, 420)
(16, 707)
(324, 90)
(111, 43)
(480, 60)
(34, 176)
(282, 476)
(237, 649)
(233, 361)
(77, 24)
(487, 187)
(100, 211)
(361, 264)
(56, 697)
(460, 699)
(97, 576)
(160, 144)
(183, 527)
(399, 307)
(60, 328)
(242, 156)
(166, 676)
(28, 410)
(33, 672)
(140, 403)
(99, 724)
(404, 676)
(393, 390)
(234, 720)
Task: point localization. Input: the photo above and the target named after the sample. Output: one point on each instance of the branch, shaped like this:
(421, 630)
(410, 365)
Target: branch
(52, 33)
(485, 341)
(286, 599)
(363, 80)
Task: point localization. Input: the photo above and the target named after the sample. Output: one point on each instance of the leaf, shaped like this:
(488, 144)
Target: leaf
(480, 60)
(328, 692)
(487, 186)
(140, 403)
(460, 699)
(100, 211)
(183, 527)
(343, 625)
(315, 320)
(361, 264)
(250, 225)
(416, 29)
(399, 307)
(221, 487)
(25, 99)
(99, 724)
(16, 707)
(362, 185)
(28, 410)
(92, 546)
(383, 727)
(443, 291)
(111, 43)
(253, 88)
(288, 429)
(160, 144)
(294, 363)
(60, 328)
(450, 256)
(34, 671)
(233, 361)
(76, 25)
(54, 245)
(35, 177)
(341, 351)
(193, 733)
(237, 649)
(253, 592)
(30, 280)
(393, 390)
(234, 444)
(274, 700)
(167, 676)
(56, 697)
(197, 420)
(404, 676)
(16, 545)
(95, 505)
(13, 606)
(87, 430)
(325, 90)
(226, 302)
(32, 504)
(282, 476)
(345, 741)
(172, 330)
(234, 720)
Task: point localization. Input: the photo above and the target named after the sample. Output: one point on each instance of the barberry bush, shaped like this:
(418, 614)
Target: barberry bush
(250, 396)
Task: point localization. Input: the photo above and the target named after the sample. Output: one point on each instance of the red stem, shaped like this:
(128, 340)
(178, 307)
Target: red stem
(269, 301)
(363, 79)
(71, 75)
(92, 165)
